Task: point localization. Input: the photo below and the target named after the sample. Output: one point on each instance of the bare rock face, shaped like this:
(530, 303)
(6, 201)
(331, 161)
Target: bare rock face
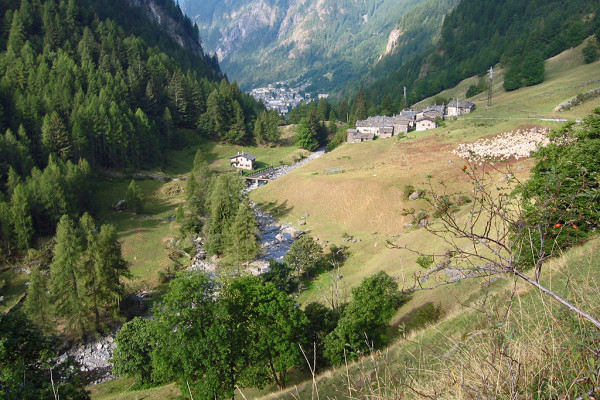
(395, 34)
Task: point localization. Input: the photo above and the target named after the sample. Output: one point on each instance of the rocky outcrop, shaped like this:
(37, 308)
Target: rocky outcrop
(395, 34)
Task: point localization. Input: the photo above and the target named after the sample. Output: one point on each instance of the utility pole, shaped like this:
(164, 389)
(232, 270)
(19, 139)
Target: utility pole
(491, 83)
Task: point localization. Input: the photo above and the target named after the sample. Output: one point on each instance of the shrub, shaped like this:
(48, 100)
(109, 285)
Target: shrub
(424, 261)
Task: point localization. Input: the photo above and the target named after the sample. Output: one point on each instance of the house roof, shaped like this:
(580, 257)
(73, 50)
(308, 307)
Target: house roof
(426, 118)
(461, 104)
(383, 121)
(436, 107)
(354, 134)
(245, 155)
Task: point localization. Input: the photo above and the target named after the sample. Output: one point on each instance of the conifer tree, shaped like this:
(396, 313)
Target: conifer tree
(55, 136)
(5, 229)
(243, 243)
(359, 107)
(66, 283)
(16, 35)
(305, 137)
(134, 197)
(237, 130)
(37, 300)
(21, 220)
(167, 125)
(223, 203)
(109, 267)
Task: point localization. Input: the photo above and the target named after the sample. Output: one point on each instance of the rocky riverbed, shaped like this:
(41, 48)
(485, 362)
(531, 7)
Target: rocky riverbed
(93, 359)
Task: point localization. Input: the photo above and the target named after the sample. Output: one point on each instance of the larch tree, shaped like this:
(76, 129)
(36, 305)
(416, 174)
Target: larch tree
(66, 284)
(243, 243)
(134, 197)
(223, 204)
(37, 300)
(21, 220)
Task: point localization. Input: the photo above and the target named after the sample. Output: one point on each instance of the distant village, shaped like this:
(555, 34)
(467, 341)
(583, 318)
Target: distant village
(281, 97)
(385, 127)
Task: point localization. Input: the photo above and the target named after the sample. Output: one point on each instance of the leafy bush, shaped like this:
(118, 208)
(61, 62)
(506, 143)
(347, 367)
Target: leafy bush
(424, 261)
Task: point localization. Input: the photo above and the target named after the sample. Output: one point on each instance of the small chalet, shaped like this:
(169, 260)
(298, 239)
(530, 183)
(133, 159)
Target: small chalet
(458, 107)
(355, 136)
(425, 123)
(243, 161)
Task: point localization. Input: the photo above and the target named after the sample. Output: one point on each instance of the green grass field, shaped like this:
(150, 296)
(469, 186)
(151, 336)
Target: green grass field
(217, 154)
(144, 236)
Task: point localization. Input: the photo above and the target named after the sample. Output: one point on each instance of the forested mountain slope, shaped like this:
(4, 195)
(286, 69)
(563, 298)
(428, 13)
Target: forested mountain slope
(479, 34)
(331, 42)
(94, 84)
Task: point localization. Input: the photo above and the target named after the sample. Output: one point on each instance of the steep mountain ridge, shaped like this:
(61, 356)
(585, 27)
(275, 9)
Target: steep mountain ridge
(327, 41)
(173, 27)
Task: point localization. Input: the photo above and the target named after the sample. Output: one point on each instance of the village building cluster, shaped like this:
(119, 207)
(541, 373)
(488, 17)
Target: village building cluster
(419, 120)
(282, 97)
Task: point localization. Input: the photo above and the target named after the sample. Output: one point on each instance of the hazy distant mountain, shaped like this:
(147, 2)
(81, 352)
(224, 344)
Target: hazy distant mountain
(328, 41)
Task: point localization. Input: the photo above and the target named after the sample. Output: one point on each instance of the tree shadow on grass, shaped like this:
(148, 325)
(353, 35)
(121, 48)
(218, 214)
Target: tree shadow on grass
(418, 318)
(277, 209)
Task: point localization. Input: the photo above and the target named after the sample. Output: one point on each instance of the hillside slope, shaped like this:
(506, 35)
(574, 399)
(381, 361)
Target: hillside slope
(328, 41)
(367, 201)
(480, 34)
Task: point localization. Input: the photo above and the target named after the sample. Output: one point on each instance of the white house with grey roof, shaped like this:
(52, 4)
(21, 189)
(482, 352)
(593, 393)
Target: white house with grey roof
(243, 161)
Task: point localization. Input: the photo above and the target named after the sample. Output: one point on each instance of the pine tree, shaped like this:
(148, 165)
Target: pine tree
(21, 220)
(134, 197)
(37, 300)
(5, 229)
(168, 125)
(223, 204)
(55, 137)
(305, 137)
(359, 107)
(110, 267)
(66, 283)
(243, 244)
(237, 130)
(16, 36)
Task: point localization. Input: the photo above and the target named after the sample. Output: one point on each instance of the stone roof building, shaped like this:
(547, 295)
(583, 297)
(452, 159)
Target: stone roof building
(459, 107)
(355, 136)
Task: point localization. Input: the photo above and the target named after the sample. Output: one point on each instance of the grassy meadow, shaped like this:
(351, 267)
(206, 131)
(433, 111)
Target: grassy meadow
(145, 235)
(366, 200)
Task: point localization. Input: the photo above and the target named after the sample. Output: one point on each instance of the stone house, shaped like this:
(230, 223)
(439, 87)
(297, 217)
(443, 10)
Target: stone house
(381, 126)
(243, 161)
(425, 123)
(459, 107)
(354, 136)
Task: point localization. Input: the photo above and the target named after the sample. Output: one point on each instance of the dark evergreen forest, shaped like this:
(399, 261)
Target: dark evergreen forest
(94, 84)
